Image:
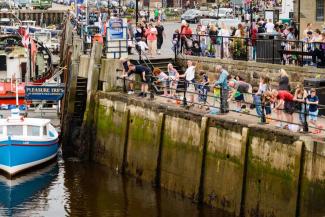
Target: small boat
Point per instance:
(26, 142)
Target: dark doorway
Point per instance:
(23, 71)
(3, 63)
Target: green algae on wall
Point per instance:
(224, 169)
(313, 184)
(232, 165)
(143, 149)
(108, 147)
(272, 177)
(181, 158)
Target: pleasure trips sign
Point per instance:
(53, 93)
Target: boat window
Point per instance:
(33, 130)
(1, 129)
(44, 131)
(15, 130)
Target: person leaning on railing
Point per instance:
(145, 74)
(312, 100)
(319, 51)
(190, 79)
(300, 97)
(223, 83)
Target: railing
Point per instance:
(208, 100)
(276, 51)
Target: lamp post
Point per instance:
(251, 18)
(136, 11)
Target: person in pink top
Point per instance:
(151, 34)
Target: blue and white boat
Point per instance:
(26, 142)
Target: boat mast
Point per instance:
(29, 73)
(17, 102)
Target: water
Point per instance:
(73, 188)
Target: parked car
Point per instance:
(221, 13)
(192, 15)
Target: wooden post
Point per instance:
(159, 142)
(203, 145)
(126, 123)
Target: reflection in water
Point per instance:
(73, 188)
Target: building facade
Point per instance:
(311, 11)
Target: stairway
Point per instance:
(80, 99)
(162, 65)
(159, 63)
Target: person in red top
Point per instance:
(284, 101)
(186, 32)
(253, 38)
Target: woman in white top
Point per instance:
(173, 78)
(224, 32)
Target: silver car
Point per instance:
(192, 15)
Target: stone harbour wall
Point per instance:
(240, 168)
(252, 71)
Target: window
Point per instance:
(320, 10)
(14, 130)
(44, 131)
(33, 130)
(1, 130)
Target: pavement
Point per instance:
(166, 50)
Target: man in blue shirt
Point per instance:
(224, 88)
(145, 74)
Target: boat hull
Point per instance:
(16, 156)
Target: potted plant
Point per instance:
(238, 49)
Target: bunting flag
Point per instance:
(25, 37)
(104, 28)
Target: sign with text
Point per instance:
(53, 93)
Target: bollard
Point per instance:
(305, 127)
(222, 53)
(184, 97)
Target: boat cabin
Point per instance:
(26, 127)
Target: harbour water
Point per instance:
(73, 188)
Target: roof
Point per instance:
(24, 121)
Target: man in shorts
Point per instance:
(284, 105)
(131, 77)
(145, 75)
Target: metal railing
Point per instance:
(208, 99)
(275, 51)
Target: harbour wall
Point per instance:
(252, 71)
(241, 168)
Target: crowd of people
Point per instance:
(148, 36)
(227, 41)
(204, 92)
